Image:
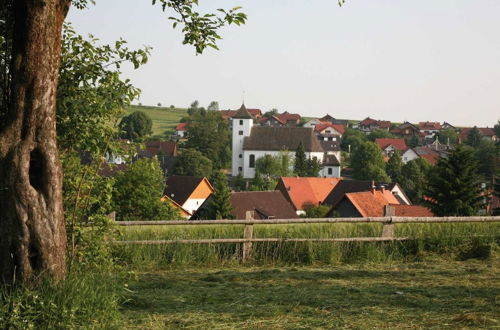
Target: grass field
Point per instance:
(431, 294)
(163, 118)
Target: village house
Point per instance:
(368, 125)
(406, 130)
(352, 186)
(188, 192)
(181, 130)
(327, 130)
(330, 119)
(262, 204)
(388, 146)
(429, 129)
(250, 143)
(487, 133)
(305, 192)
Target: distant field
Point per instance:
(164, 118)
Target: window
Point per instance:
(240, 132)
(330, 171)
(240, 156)
(251, 161)
(241, 122)
(240, 169)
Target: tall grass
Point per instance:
(85, 300)
(451, 240)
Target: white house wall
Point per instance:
(335, 172)
(408, 156)
(237, 142)
(192, 204)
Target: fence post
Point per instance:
(388, 227)
(247, 234)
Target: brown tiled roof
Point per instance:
(485, 131)
(242, 113)
(428, 154)
(179, 188)
(279, 138)
(153, 148)
(330, 160)
(327, 117)
(285, 117)
(257, 113)
(330, 145)
(412, 211)
(264, 204)
(429, 125)
(399, 144)
(380, 123)
(300, 190)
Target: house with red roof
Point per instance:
(487, 133)
(406, 130)
(368, 125)
(429, 129)
(304, 192)
(388, 145)
(375, 203)
(181, 130)
(328, 129)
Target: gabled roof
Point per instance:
(428, 154)
(429, 125)
(322, 126)
(257, 113)
(183, 211)
(412, 211)
(380, 123)
(398, 144)
(264, 119)
(301, 190)
(264, 204)
(485, 131)
(153, 148)
(327, 117)
(279, 138)
(181, 127)
(285, 117)
(371, 204)
(179, 187)
(351, 186)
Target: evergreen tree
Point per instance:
(413, 181)
(368, 163)
(454, 186)
(395, 167)
(474, 137)
(300, 167)
(312, 167)
(219, 206)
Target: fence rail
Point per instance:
(387, 234)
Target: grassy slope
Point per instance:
(437, 293)
(163, 118)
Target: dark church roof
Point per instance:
(279, 138)
(242, 113)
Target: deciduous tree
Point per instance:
(136, 126)
(192, 162)
(368, 163)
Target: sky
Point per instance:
(404, 60)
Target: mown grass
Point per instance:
(431, 294)
(457, 241)
(163, 118)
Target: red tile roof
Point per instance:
(181, 127)
(322, 126)
(371, 203)
(285, 117)
(428, 125)
(300, 190)
(412, 211)
(380, 123)
(399, 144)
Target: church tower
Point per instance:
(242, 124)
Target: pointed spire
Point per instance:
(242, 113)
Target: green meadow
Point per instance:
(164, 118)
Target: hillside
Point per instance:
(164, 118)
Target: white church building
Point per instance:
(251, 142)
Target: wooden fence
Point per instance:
(248, 238)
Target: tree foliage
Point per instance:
(136, 126)
(312, 211)
(219, 206)
(474, 137)
(368, 163)
(448, 136)
(91, 93)
(414, 180)
(209, 133)
(351, 139)
(454, 187)
(394, 167)
(213, 106)
(193, 163)
(300, 166)
(378, 134)
(138, 190)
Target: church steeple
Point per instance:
(243, 113)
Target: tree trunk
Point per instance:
(32, 227)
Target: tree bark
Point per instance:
(32, 227)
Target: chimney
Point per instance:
(373, 187)
(389, 211)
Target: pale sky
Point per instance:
(415, 60)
